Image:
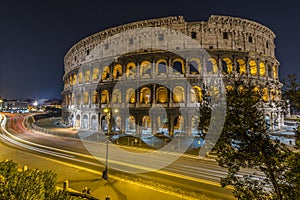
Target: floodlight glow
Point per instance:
(35, 103)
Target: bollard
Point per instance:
(66, 185)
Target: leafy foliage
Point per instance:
(245, 144)
(292, 92)
(30, 184)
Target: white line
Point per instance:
(111, 161)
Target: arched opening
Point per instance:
(278, 95)
(94, 124)
(95, 97)
(272, 92)
(241, 66)
(227, 65)
(73, 99)
(178, 94)
(195, 125)
(95, 74)
(209, 66)
(71, 80)
(78, 98)
(196, 94)
(265, 95)
(195, 66)
(130, 96)
(256, 94)
(229, 88)
(85, 122)
(262, 69)
(117, 72)
(212, 66)
(104, 123)
(116, 96)
(179, 125)
(72, 121)
(77, 121)
(275, 75)
(178, 66)
(104, 97)
(145, 95)
(163, 124)
(117, 124)
(130, 69)
(87, 76)
(85, 98)
(270, 71)
(79, 77)
(161, 95)
(145, 68)
(105, 73)
(130, 125)
(161, 67)
(253, 67)
(74, 79)
(146, 125)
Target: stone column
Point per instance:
(123, 123)
(188, 123)
(153, 95)
(138, 124)
(171, 124)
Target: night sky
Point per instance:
(35, 35)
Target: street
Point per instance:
(186, 177)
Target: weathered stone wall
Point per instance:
(218, 33)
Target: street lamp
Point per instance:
(108, 112)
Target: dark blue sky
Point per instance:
(36, 34)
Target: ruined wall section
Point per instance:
(232, 33)
(77, 54)
(218, 33)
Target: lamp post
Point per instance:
(108, 115)
(108, 112)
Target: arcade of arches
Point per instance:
(168, 107)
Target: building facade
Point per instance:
(152, 90)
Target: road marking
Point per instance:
(112, 161)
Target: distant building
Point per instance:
(14, 106)
(235, 45)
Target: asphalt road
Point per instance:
(186, 175)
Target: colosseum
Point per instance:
(150, 89)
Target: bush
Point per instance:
(28, 184)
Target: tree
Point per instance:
(18, 184)
(245, 143)
(292, 92)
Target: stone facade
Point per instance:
(235, 46)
